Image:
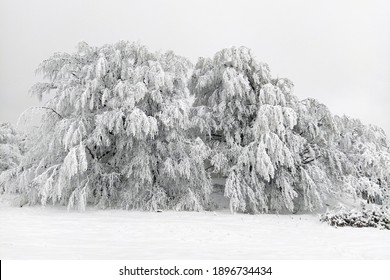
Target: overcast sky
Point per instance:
(335, 51)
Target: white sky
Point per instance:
(335, 51)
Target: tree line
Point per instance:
(128, 128)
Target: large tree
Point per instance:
(115, 132)
(276, 152)
(250, 119)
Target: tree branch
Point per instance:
(42, 107)
(90, 152)
(211, 166)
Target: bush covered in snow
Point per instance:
(378, 217)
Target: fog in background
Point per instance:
(335, 51)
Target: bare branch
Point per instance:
(51, 109)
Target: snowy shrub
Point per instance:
(378, 217)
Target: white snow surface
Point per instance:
(55, 233)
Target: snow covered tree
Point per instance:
(367, 150)
(11, 149)
(115, 132)
(343, 156)
(276, 152)
(249, 118)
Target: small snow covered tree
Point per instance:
(343, 156)
(250, 119)
(115, 132)
(10, 154)
(367, 150)
(10, 147)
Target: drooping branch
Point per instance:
(90, 152)
(51, 109)
(211, 166)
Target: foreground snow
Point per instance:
(54, 233)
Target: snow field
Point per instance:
(54, 233)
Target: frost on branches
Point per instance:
(115, 132)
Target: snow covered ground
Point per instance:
(54, 233)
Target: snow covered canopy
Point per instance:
(130, 128)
